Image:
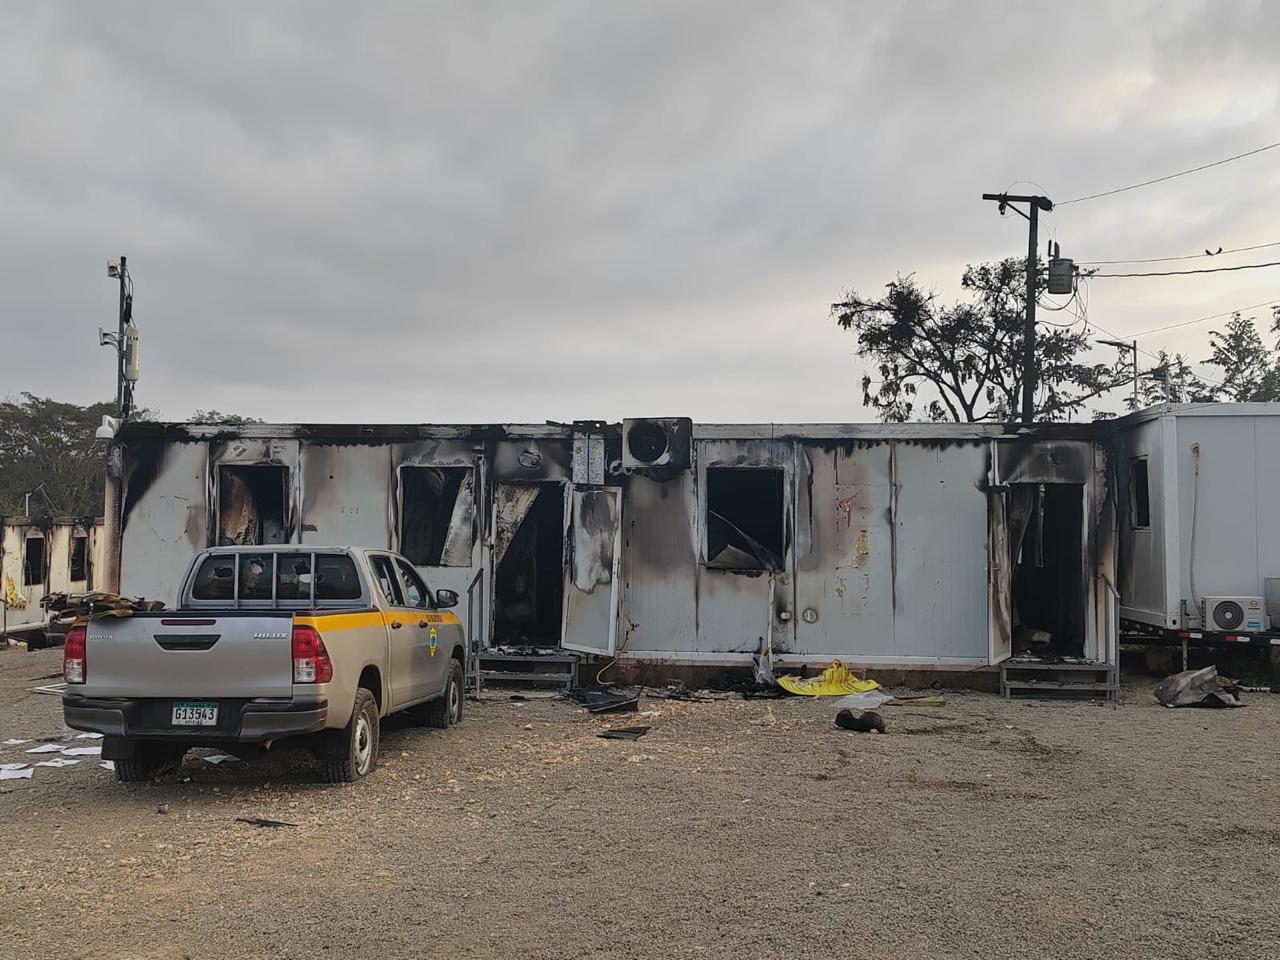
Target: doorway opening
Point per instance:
(1049, 592)
(528, 580)
(251, 505)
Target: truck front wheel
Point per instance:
(446, 710)
(352, 752)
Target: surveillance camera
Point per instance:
(108, 429)
(113, 268)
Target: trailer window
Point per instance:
(336, 577)
(33, 566)
(79, 558)
(293, 576)
(216, 578)
(437, 515)
(744, 518)
(1140, 494)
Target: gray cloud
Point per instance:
(475, 211)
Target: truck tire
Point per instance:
(446, 710)
(149, 761)
(352, 752)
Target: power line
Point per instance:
(1183, 273)
(1189, 256)
(1216, 316)
(1171, 176)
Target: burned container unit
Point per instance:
(41, 556)
(913, 546)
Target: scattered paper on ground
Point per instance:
(13, 741)
(88, 736)
(217, 758)
(81, 751)
(46, 748)
(58, 762)
(107, 764)
(16, 774)
(14, 766)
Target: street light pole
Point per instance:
(1029, 373)
(1129, 345)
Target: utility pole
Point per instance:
(1034, 205)
(1131, 345)
(121, 273)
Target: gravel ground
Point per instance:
(735, 828)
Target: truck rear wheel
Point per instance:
(446, 710)
(352, 752)
(149, 761)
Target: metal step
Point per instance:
(1023, 678)
(526, 675)
(1050, 665)
(542, 669)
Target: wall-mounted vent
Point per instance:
(659, 442)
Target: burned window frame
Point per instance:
(436, 553)
(78, 556)
(766, 558)
(28, 580)
(1139, 494)
(245, 470)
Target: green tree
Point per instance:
(963, 361)
(1250, 371)
(47, 444)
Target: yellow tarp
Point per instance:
(835, 681)
(11, 595)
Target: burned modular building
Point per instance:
(41, 556)
(904, 546)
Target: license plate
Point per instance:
(188, 713)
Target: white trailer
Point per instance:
(1199, 532)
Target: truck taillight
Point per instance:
(75, 666)
(311, 663)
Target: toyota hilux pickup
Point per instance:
(310, 644)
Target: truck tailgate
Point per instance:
(173, 654)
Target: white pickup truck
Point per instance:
(269, 643)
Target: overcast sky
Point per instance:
(452, 212)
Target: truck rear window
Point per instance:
(335, 577)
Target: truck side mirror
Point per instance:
(446, 599)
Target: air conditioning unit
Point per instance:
(1234, 614)
(660, 443)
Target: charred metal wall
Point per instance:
(881, 545)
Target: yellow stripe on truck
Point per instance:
(327, 622)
